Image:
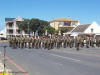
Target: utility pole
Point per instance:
(28, 29)
(4, 62)
(4, 59)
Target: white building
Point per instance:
(12, 26)
(92, 28)
(3, 33)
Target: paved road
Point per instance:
(53, 62)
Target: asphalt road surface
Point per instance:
(52, 62)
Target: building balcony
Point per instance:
(60, 25)
(9, 33)
(17, 27)
(66, 26)
(7, 27)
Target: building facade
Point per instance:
(64, 23)
(86, 29)
(12, 26)
(3, 33)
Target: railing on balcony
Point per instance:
(60, 25)
(8, 27)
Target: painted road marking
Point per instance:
(97, 55)
(0, 53)
(78, 61)
(16, 65)
(66, 57)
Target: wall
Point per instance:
(54, 25)
(95, 26)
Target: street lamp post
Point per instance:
(28, 29)
(4, 59)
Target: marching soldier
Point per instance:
(82, 42)
(64, 42)
(29, 42)
(33, 43)
(10, 42)
(58, 43)
(25, 42)
(14, 42)
(19, 42)
(22, 42)
(77, 43)
(68, 41)
(98, 42)
(87, 42)
(71, 41)
(92, 41)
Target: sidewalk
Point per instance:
(7, 71)
(4, 40)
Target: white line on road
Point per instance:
(66, 57)
(97, 55)
(0, 52)
(78, 61)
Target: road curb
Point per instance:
(7, 71)
(1, 41)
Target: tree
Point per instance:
(33, 25)
(24, 25)
(64, 31)
(49, 29)
(41, 27)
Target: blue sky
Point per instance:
(86, 11)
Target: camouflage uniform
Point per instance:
(87, 42)
(77, 43)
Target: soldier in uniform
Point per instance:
(42, 42)
(64, 42)
(92, 41)
(58, 43)
(87, 42)
(10, 41)
(98, 42)
(25, 42)
(33, 43)
(14, 42)
(29, 42)
(82, 42)
(48, 44)
(71, 41)
(37, 43)
(19, 39)
(77, 43)
(22, 42)
(68, 41)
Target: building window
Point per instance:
(18, 31)
(66, 24)
(73, 23)
(91, 30)
(60, 23)
(10, 24)
(10, 31)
